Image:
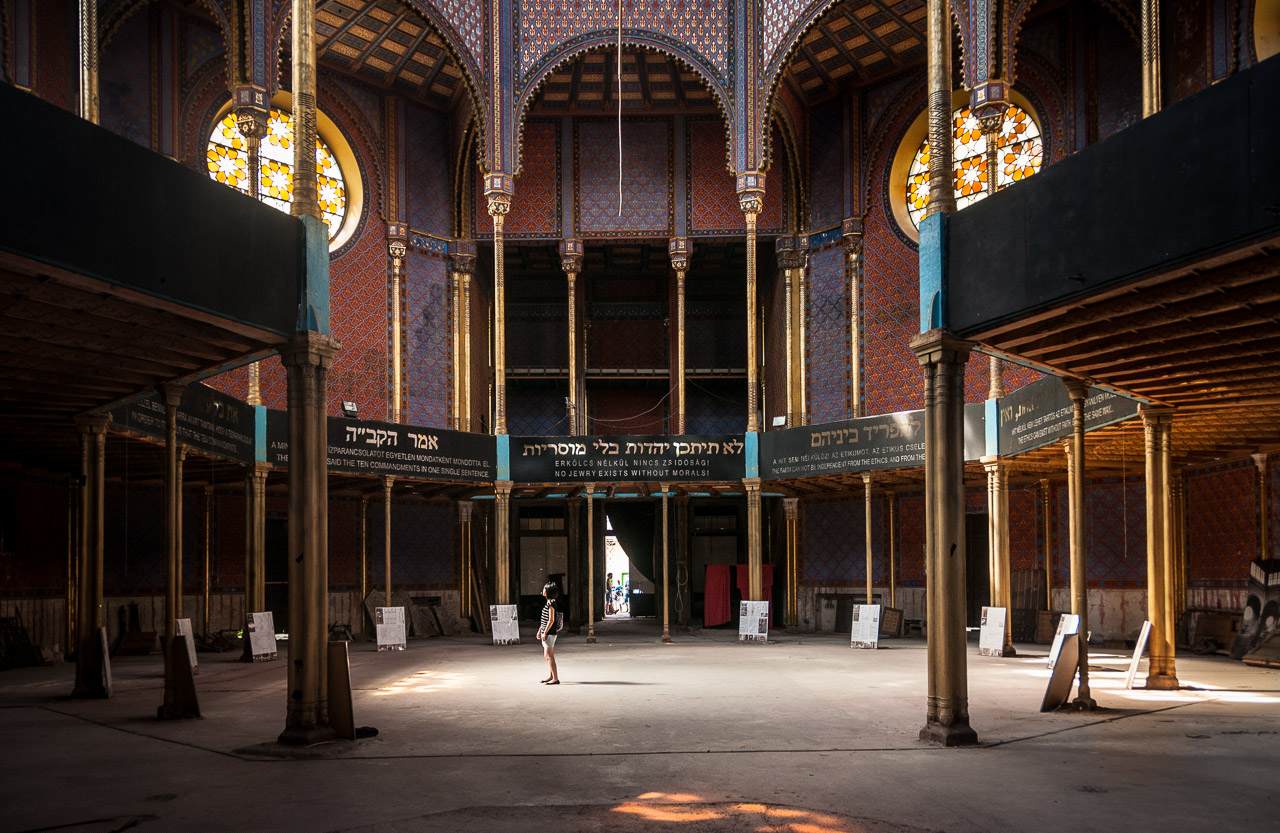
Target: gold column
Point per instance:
(996, 371)
(755, 579)
(666, 567)
(1264, 506)
(455, 350)
(998, 545)
(251, 120)
(364, 547)
(498, 193)
(1046, 517)
(1162, 672)
(1074, 445)
(208, 558)
(571, 253)
(892, 500)
(679, 250)
(784, 265)
(751, 201)
(463, 260)
(90, 615)
(802, 343)
(464, 573)
(172, 395)
(387, 483)
(1151, 92)
(396, 250)
(943, 358)
(791, 508)
(866, 529)
(942, 197)
(255, 588)
(1178, 551)
(73, 569)
(851, 237)
(591, 564)
(88, 63)
(502, 542)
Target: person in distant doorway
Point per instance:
(549, 627)
(609, 607)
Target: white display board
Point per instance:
(262, 636)
(184, 630)
(388, 623)
(753, 621)
(866, 627)
(1143, 636)
(506, 624)
(1068, 625)
(991, 632)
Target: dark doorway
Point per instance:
(276, 569)
(542, 555)
(978, 568)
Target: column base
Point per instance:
(1008, 651)
(957, 734)
(591, 639)
(305, 736)
(1082, 704)
(91, 681)
(1162, 682)
(666, 639)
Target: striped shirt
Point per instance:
(548, 620)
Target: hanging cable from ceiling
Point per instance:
(619, 69)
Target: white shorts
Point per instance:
(549, 641)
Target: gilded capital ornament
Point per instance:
(680, 249)
(571, 253)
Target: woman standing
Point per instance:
(549, 627)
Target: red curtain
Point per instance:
(716, 601)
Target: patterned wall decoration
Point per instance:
(539, 334)
(826, 165)
(467, 17)
(712, 201)
(646, 178)
(429, 368)
(910, 543)
(536, 408)
(422, 555)
(1273, 492)
(827, 350)
(201, 43)
(833, 541)
(125, 82)
(703, 28)
(344, 542)
(535, 208)
(1115, 534)
(715, 407)
(429, 180)
(714, 337)
(776, 17)
(358, 295)
(1222, 522)
(1025, 552)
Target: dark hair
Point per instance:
(552, 590)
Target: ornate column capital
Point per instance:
(750, 187)
(251, 108)
(397, 240)
(940, 346)
(498, 189)
(1077, 389)
(464, 510)
(680, 249)
(571, 254)
(462, 256)
(790, 507)
(95, 423)
(851, 237)
(793, 251)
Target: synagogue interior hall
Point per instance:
(797, 416)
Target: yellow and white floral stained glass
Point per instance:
(1019, 154)
(228, 162)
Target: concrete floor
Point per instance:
(802, 735)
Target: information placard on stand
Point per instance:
(506, 624)
(891, 622)
(753, 621)
(184, 630)
(388, 624)
(991, 632)
(1143, 636)
(866, 627)
(1068, 625)
(262, 636)
(1066, 664)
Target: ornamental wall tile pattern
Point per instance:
(427, 329)
(715, 407)
(428, 180)
(827, 333)
(536, 408)
(422, 555)
(702, 26)
(910, 543)
(1222, 522)
(467, 17)
(646, 180)
(344, 542)
(891, 376)
(776, 17)
(535, 208)
(834, 545)
(1115, 534)
(358, 283)
(713, 200)
(1024, 529)
(826, 165)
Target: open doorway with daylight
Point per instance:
(629, 546)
